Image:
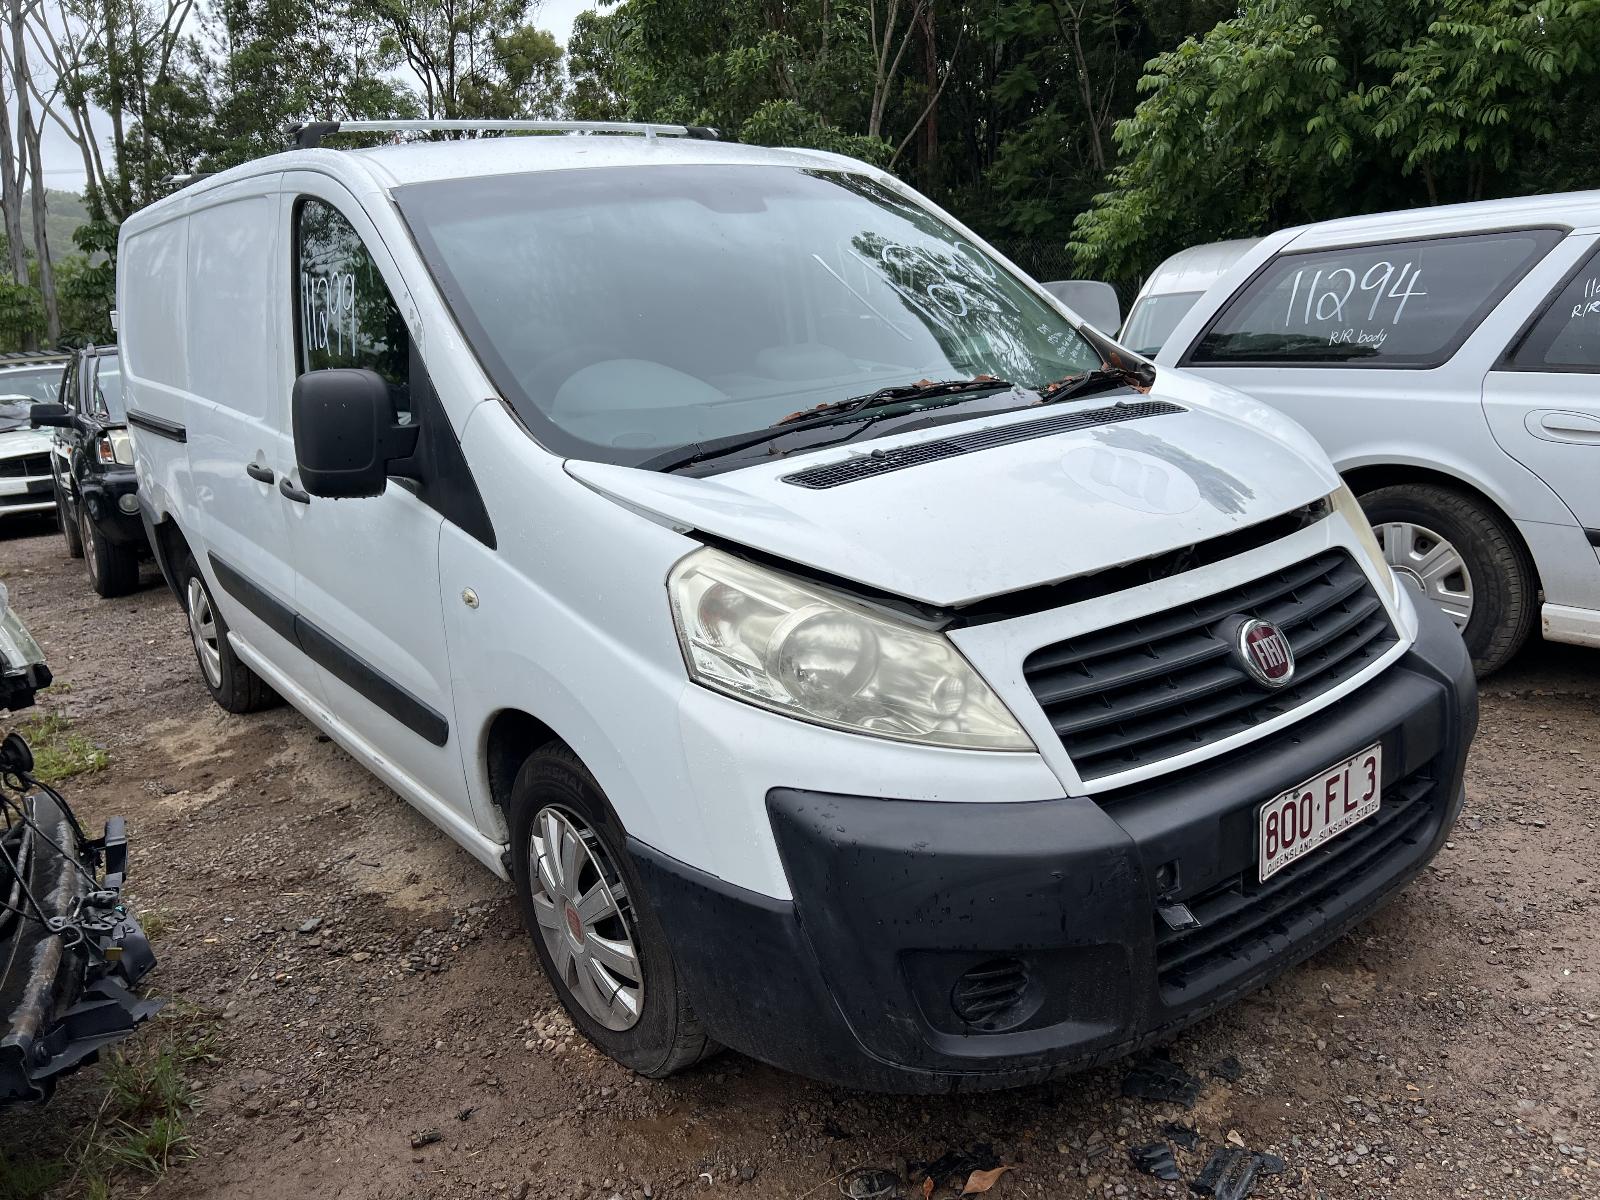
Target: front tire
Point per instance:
(113, 569)
(231, 683)
(592, 928)
(1467, 560)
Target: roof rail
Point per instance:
(310, 134)
(17, 358)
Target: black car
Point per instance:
(92, 461)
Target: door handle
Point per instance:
(1556, 426)
(291, 492)
(259, 473)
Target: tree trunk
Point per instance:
(41, 240)
(11, 168)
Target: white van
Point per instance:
(1172, 290)
(848, 659)
(1448, 360)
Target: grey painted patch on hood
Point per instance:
(1224, 492)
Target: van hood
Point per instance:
(1039, 511)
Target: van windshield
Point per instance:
(627, 310)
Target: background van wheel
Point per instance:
(231, 683)
(113, 569)
(69, 526)
(1468, 561)
(592, 927)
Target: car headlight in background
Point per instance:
(786, 645)
(1347, 506)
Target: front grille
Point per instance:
(1243, 923)
(898, 458)
(1145, 690)
(25, 466)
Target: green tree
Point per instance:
(473, 58)
(1294, 111)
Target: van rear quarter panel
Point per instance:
(152, 303)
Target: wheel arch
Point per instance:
(510, 738)
(169, 546)
(1372, 476)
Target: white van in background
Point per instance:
(848, 657)
(1172, 289)
(1448, 359)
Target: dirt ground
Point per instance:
(370, 984)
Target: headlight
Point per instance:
(1347, 506)
(117, 447)
(785, 645)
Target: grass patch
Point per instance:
(154, 922)
(140, 1130)
(58, 752)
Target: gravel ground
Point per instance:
(383, 1030)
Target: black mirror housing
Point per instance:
(345, 436)
(50, 415)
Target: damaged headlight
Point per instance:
(796, 648)
(1344, 503)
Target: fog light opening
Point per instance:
(995, 995)
(128, 502)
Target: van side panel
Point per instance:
(154, 313)
(238, 410)
(231, 315)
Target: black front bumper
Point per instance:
(1039, 921)
(102, 494)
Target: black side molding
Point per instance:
(158, 426)
(1593, 535)
(333, 656)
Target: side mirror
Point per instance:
(345, 436)
(55, 416)
(1094, 301)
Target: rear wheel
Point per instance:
(231, 683)
(1467, 560)
(593, 930)
(69, 525)
(113, 569)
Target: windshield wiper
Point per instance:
(814, 418)
(1080, 385)
(923, 389)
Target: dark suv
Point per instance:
(92, 460)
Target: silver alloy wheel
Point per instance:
(203, 629)
(585, 920)
(1417, 552)
(86, 536)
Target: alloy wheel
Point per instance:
(585, 918)
(203, 629)
(1433, 563)
(86, 536)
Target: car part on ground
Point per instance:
(70, 949)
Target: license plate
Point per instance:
(1296, 822)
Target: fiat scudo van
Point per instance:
(847, 657)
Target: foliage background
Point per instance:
(1086, 137)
